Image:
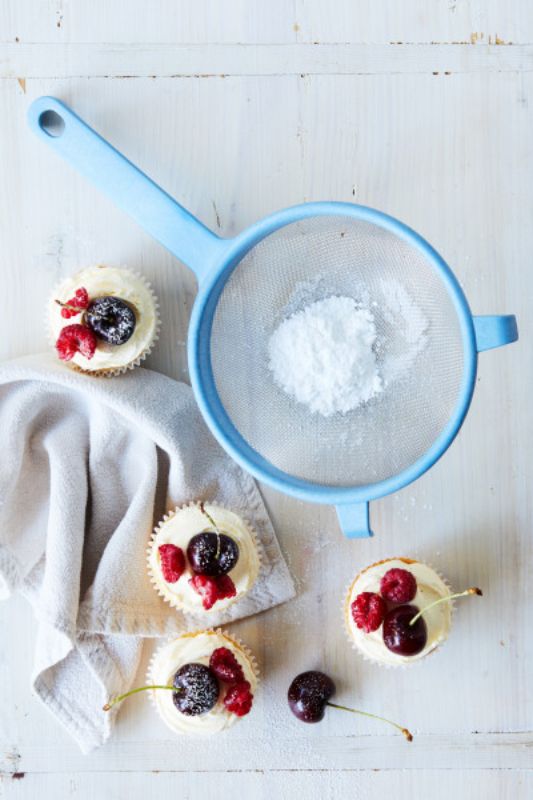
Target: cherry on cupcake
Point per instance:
(196, 689)
(400, 636)
(309, 694)
(212, 554)
(404, 628)
(111, 319)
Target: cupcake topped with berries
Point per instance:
(214, 679)
(202, 558)
(103, 320)
(398, 611)
(201, 682)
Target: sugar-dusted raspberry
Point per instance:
(74, 339)
(76, 304)
(225, 587)
(398, 586)
(225, 666)
(239, 699)
(213, 589)
(206, 587)
(172, 562)
(368, 610)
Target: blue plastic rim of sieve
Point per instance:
(213, 259)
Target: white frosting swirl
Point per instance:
(118, 282)
(430, 587)
(179, 530)
(187, 649)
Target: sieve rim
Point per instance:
(204, 386)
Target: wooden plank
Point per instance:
(230, 21)
(438, 785)
(253, 754)
(222, 60)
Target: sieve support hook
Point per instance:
(354, 520)
(494, 330)
(129, 188)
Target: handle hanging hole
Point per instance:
(52, 123)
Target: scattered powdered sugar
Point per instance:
(409, 327)
(324, 356)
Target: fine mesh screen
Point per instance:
(419, 350)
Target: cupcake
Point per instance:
(214, 678)
(103, 320)
(202, 558)
(382, 602)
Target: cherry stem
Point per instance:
(215, 526)
(466, 593)
(70, 307)
(122, 697)
(408, 735)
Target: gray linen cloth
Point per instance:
(87, 468)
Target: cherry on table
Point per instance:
(308, 695)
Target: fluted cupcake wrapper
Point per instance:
(345, 610)
(242, 649)
(174, 602)
(110, 372)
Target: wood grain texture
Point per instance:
(351, 118)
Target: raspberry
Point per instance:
(75, 339)
(225, 666)
(368, 610)
(398, 586)
(213, 589)
(239, 698)
(172, 562)
(76, 304)
(225, 587)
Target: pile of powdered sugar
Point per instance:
(324, 356)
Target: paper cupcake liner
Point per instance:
(174, 602)
(237, 643)
(110, 372)
(345, 610)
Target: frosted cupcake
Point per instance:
(103, 320)
(200, 683)
(399, 610)
(202, 558)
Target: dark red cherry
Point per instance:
(308, 695)
(400, 637)
(212, 554)
(196, 688)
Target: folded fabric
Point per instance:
(88, 467)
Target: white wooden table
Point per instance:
(422, 108)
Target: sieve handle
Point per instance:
(354, 520)
(494, 331)
(131, 190)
